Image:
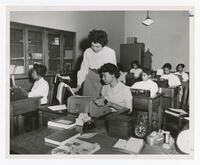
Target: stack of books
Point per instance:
(62, 136)
(64, 122)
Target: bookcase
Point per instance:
(32, 44)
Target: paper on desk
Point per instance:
(113, 109)
(181, 111)
(172, 113)
(58, 107)
(132, 145)
(88, 135)
(67, 122)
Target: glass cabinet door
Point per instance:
(17, 51)
(68, 52)
(35, 51)
(54, 54)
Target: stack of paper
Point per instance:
(133, 145)
(76, 146)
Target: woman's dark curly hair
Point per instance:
(167, 65)
(147, 71)
(98, 36)
(135, 62)
(40, 69)
(182, 65)
(110, 68)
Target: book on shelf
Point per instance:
(131, 146)
(76, 146)
(62, 136)
(64, 122)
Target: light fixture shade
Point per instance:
(148, 21)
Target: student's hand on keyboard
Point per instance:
(129, 112)
(109, 104)
(76, 89)
(99, 102)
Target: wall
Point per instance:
(167, 38)
(80, 22)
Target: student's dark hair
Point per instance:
(40, 69)
(167, 65)
(98, 36)
(110, 68)
(182, 65)
(147, 71)
(135, 62)
(120, 67)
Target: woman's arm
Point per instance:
(115, 106)
(25, 93)
(83, 70)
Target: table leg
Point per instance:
(40, 119)
(11, 122)
(20, 123)
(173, 97)
(150, 116)
(160, 114)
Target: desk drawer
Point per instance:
(140, 103)
(24, 106)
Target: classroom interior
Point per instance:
(58, 39)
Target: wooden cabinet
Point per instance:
(131, 52)
(31, 44)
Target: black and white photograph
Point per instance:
(126, 92)
(104, 82)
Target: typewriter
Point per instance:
(140, 92)
(162, 83)
(16, 94)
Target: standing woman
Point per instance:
(93, 58)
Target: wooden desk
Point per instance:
(17, 109)
(149, 104)
(33, 143)
(46, 114)
(170, 97)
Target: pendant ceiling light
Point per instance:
(148, 21)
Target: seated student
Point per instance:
(40, 87)
(181, 72)
(184, 85)
(173, 80)
(146, 83)
(114, 93)
(123, 74)
(135, 70)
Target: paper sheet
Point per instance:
(67, 122)
(181, 111)
(58, 107)
(88, 135)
